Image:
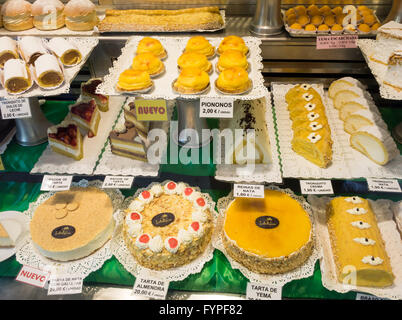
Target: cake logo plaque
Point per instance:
(163, 219)
(267, 222)
(63, 232)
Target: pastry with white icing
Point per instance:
(48, 71)
(68, 54)
(16, 76)
(31, 48)
(8, 50)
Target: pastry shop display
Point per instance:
(130, 117)
(88, 91)
(48, 72)
(200, 44)
(87, 116)
(356, 242)
(66, 139)
(67, 52)
(191, 81)
(48, 14)
(276, 234)
(72, 224)
(8, 50)
(5, 240)
(17, 15)
(151, 45)
(194, 60)
(134, 81)
(232, 58)
(31, 48)
(233, 80)
(148, 62)
(80, 15)
(16, 77)
(189, 19)
(168, 225)
(127, 142)
(232, 42)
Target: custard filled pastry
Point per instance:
(233, 43)
(233, 81)
(80, 15)
(231, 58)
(68, 54)
(195, 60)
(191, 81)
(148, 62)
(17, 78)
(31, 48)
(200, 45)
(8, 50)
(17, 15)
(48, 71)
(134, 80)
(151, 45)
(48, 14)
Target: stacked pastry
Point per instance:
(368, 133)
(311, 132)
(129, 137)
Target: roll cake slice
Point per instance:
(127, 142)
(16, 76)
(68, 54)
(88, 90)
(362, 118)
(49, 74)
(8, 50)
(31, 48)
(87, 116)
(358, 249)
(341, 84)
(66, 139)
(130, 114)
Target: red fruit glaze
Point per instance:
(146, 194)
(201, 202)
(195, 225)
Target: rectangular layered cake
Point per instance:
(66, 139)
(130, 115)
(127, 142)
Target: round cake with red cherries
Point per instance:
(168, 226)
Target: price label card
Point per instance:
(383, 185)
(15, 108)
(216, 108)
(151, 110)
(56, 183)
(248, 191)
(316, 187)
(150, 288)
(257, 291)
(65, 284)
(117, 182)
(344, 41)
(33, 276)
(362, 296)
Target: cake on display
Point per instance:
(72, 224)
(88, 91)
(357, 245)
(66, 139)
(168, 226)
(272, 235)
(87, 116)
(5, 240)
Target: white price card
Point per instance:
(15, 108)
(118, 182)
(363, 296)
(216, 108)
(152, 288)
(316, 187)
(248, 190)
(65, 284)
(383, 185)
(56, 183)
(33, 276)
(258, 291)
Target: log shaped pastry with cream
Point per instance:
(17, 15)
(80, 15)
(31, 48)
(16, 76)
(8, 50)
(48, 14)
(68, 53)
(48, 71)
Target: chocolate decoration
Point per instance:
(163, 219)
(267, 222)
(63, 232)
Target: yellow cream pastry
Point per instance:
(339, 18)
(303, 20)
(233, 80)
(148, 62)
(134, 80)
(313, 10)
(316, 20)
(358, 248)
(297, 91)
(291, 19)
(269, 236)
(296, 26)
(300, 10)
(290, 11)
(323, 27)
(232, 58)
(337, 28)
(364, 28)
(329, 20)
(310, 27)
(194, 59)
(151, 45)
(233, 43)
(325, 10)
(191, 80)
(375, 26)
(337, 10)
(369, 20)
(200, 45)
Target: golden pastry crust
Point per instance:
(233, 81)
(134, 80)
(232, 58)
(200, 44)
(191, 81)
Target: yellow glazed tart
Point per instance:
(233, 80)
(148, 62)
(234, 43)
(200, 45)
(232, 58)
(194, 60)
(271, 235)
(134, 80)
(151, 45)
(191, 81)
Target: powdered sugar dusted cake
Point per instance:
(168, 226)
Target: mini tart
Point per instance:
(134, 80)
(191, 81)
(194, 60)
(233, 43)
(232, 58)
(151, 45)
(269, 236)
(148, 62)
(167, 226)
(233, 81)
(200, 45)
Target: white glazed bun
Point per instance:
(80, 15)
(17, 15)
(48, 14)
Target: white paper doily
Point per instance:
(111, 164)
(304, 271)
(294, 165)
(381, 47)
(174, 48)
(27, 254)
(85, 45)
(262, 172)
(122, 253)
(54, 163)
(389, 233)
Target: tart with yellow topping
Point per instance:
(148, 62)
(233, 81)
(200, 44)
(194, 60)
(232, 58)
(233, 43)
(134, 80)
(191, 81)
(151, 45)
